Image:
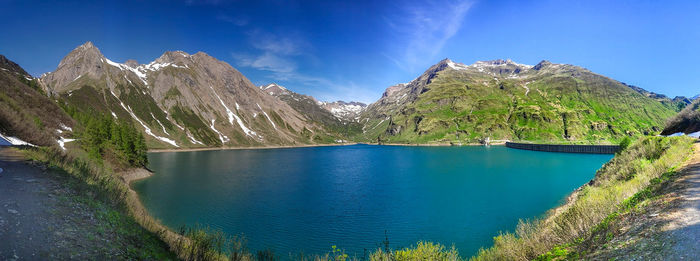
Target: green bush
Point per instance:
(422, 251)
(625, 143)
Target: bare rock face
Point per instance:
(180, 100)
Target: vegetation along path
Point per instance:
(666, 226)
(45, 215)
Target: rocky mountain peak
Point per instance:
(85, 54)
(542, 64)
(173, 57)
(87, 45)
(274, 89)
(445, 63)
(132, 63)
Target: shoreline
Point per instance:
(252, 148)
(141, 214)
(499, 143)
(134, 174)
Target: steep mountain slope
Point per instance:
(25, 112)
(687, 121)
(499, 99)
(314, 110)
(180, 100)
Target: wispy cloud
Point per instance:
(266, 61)
(424, 29)
(280, 55)
(239, 20)
(277, 53)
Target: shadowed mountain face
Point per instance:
(501, 99)
(25, 112)
(687, 121)
(181, 100)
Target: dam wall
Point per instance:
(593, 149)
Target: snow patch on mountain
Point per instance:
(456, 66)
(222, 137)
(193, 140)
(147, 129)
(15, 141)
(232, 116)
(268, 117)
(62, 142)
(125, 67)
(344, 110)
(161, 124)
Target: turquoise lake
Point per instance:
(308, 199)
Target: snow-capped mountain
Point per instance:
(344, 111)
(180, 100)
(349, 111)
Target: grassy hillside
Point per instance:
(556, 103)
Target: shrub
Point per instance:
(422, 251)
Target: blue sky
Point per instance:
(353, 50)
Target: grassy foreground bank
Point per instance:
(631, 171)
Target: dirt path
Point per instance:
(44, 218)
(684, 225)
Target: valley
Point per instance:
(93, 115)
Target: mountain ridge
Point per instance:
(501, 99)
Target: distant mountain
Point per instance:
(333, 117)
(181, 100)
(26, 112)
(348, 111)
(678, 102)
(501, 99)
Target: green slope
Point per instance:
(544, 103)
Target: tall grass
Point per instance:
(626, 174)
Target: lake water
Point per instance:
(308, 199)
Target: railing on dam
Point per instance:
(594, 149)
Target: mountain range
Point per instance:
(183, 100)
